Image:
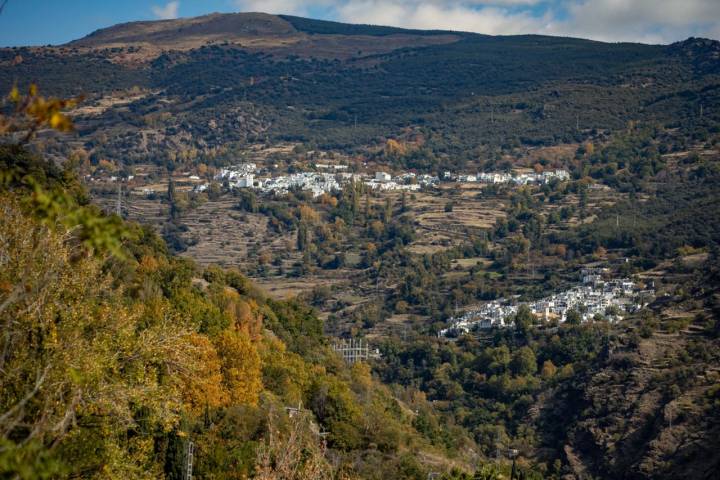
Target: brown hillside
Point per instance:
(254, 31)
(215, 26)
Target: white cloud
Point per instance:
(648, 21)
(433, 15)
(169, 11)
(288, 7)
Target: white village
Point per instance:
(595, 298)
(322, 181)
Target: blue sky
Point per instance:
(40, 22)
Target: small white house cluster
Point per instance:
(242, 176)
(238, 176)
(332, 167)
(317, 183)
(594, 296)
(405, 181)
(501, 178)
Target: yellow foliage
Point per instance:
(567, 371)
(75, 346)
(287, 374)
(241, 367)
(148, 264)
(361, 377)
(548, 369)
(204, 388)
(327, 199)
(308, 215)
(395, 148)
(377, 228)
(244, 314)
(107, 165)
(32, 112)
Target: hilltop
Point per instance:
(277, 34)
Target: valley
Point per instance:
(523, 229)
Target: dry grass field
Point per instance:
(438, 229)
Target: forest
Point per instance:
(117, 355)
(492, 94)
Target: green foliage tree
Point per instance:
(523, 319)
(573, 317)
(523, 361)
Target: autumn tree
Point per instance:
(75, 355)
(205, 388)
(548, 370)
(240, 367)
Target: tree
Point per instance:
(387, 211)
(241, 371)
(215, 191)
(204, 389)
(31, 112)
(376, 229)
(172, 199)
(573, 317)
(248, 201)
(523, 319)
(523, 361)
(548, 369)
(308, 215)
(394, 149)
(302, 237)
(76, 355)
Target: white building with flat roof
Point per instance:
(382, 177)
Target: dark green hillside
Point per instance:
(466, 98)
(65, 73)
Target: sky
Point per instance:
(42, 22)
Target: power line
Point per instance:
(354, 350)
(189, 457)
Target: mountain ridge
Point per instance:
(382, 80)
(234, 23)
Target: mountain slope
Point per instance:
(646, 409)
(279, 35)
(350, 87)
(226, 27)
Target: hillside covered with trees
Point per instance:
(492, 93)
(117, 355)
